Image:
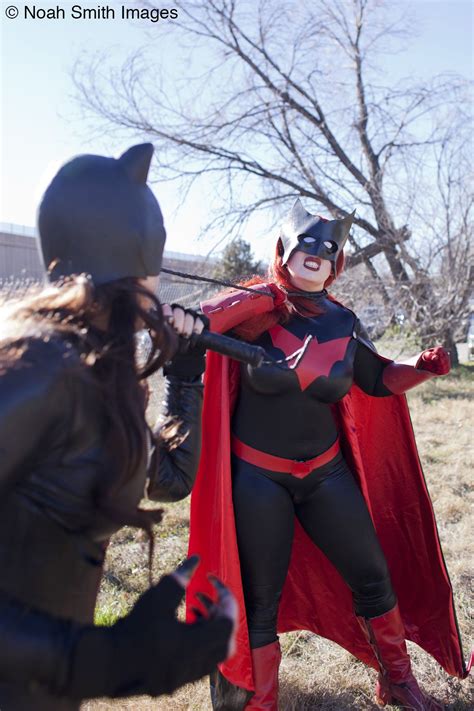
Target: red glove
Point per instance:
(434, 360)
(280, 296)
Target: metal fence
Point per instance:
(19, 256)
(185, 294)
(21, 269)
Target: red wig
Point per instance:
(278, 274)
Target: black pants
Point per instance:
(331, 509)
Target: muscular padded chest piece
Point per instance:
(311, 359)
(311, 356)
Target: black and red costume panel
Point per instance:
(286, 411)
(244, 516)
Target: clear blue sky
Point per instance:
(40, 125)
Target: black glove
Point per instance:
(148, 651)
(189, 362)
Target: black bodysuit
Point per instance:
(287, 412)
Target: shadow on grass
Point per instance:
(293, 699)
(463, 370)
(457, 385)
(437, 395)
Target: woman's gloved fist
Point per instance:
(434, 360)
(280, 296)
(149, 651)
(189, 360)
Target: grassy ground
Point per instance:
(316, 674)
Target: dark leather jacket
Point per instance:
(52, 537)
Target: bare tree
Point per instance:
(293, 103)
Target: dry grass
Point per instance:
(316, 674)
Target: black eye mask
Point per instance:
(316, 246)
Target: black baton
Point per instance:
(245, 352)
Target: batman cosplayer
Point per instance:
(310, 501)
(76, 454)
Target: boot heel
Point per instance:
(384, 697)
(383, 700)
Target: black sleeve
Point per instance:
(175, 459)
(34, 647)
(368, 365)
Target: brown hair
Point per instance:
(69, 309)
(108, 357)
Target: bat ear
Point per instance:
(136, 162)
(345, 228)
(298, 212)
(348, 220)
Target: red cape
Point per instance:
(379, 445)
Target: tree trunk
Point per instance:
(448, 342)
(445, 338)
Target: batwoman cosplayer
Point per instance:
(310, 501)
(75, 456)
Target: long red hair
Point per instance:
(278, 274)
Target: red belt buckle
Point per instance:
(298, 469)
(301, 469)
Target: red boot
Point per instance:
(396, 683)
(265, 662)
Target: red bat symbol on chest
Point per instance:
(318, 359)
